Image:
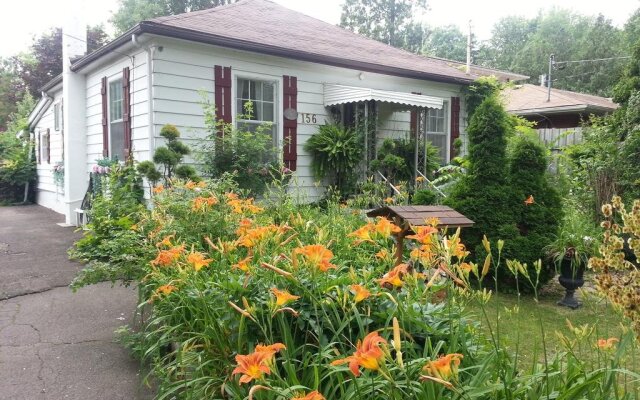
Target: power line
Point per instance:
(592, 60)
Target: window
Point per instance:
(116, 123)
(261, 95)
(45, 149)
(437, 130)
(57, 116)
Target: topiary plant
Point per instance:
(169, 157)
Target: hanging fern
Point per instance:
(335, 152)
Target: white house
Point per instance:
(298, 71)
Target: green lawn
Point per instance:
(523, 330)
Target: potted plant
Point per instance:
(570, 251)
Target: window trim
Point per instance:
(57, 111)
(109, 121)
(277, 101)
(447, 129)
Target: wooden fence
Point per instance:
(559, 138)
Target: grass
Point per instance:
(522, 322)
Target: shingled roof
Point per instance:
(532, 99)
(265, 27)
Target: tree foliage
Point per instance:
(43, 62)
(446, 42)
(130, 12)
(388, 21)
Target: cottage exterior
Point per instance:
(298, 71)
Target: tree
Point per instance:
(388, 21)
(130, 12)
(524, 45)
(11, 91)
(44, 60)
(446, 42)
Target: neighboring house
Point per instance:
(565, 110)
(298, 71)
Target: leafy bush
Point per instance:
(17, 168)
(335, 153)
(396, 160)
(247, 154)
(112, 247)
(425, 197)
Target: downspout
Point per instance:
(150, 113)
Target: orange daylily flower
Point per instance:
(423, 234)
(283, 297)
(271, 349)
(158, 189)
(166, 241)
(420, 179)
(394, 277)
(245, 225)
(242, 265)
(239, 206)
(231, 196)
(367, 355)
(363, 234)
(190, 185)
(385, 227)
(423, 254)
(201, 203)
(165, 289)
(361, 293)
(198, 260)
(252, 366)
(529, 200)
(382, 254)
(445, 367)
(317, 256)
(253, 236)
(315, 395)
(389, 200)
(607, 344)
(167, 257)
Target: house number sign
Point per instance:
(304, 118)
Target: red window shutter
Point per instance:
(455, 123)
(290, 101)
(126, 110)
(39, 147)
(48, 149)
(105, 118)
(222, 78)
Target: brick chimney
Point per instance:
(76, 177)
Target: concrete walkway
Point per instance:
(55, 344)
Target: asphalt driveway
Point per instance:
(55, 344)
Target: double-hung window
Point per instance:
(437, 130)
(116, 122)
(57, 116)
(256, 106)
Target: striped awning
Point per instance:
(338, 94)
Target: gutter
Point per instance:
(564, 109)
(40, 109)
(207, 38)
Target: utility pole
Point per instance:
(468, 70)
(551, 62)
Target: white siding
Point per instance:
(183, 70)
(48, 194)
(137, 62)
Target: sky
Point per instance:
(20, 23)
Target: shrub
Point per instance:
(112, 248)
(247, 154)
(484, 194)
(396, 159)
(168, 157)
(539, 211)
(425, 197)
(335, 152)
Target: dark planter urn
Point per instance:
(571, 278)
